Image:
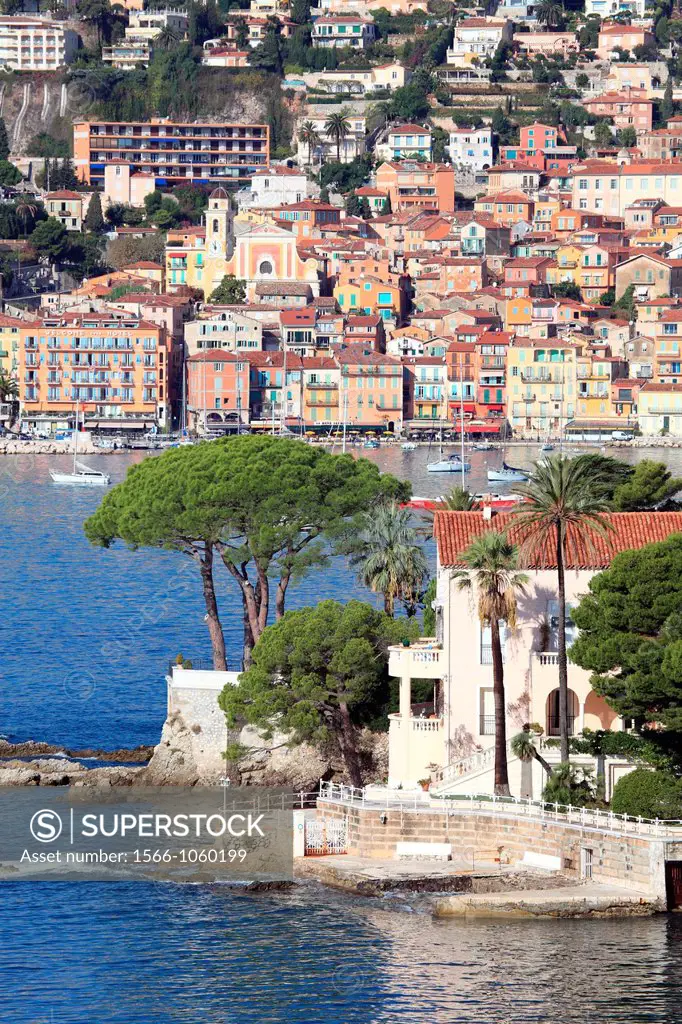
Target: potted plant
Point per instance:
(425, 784)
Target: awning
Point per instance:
(481, 428)
(493, 407)
(469, 407)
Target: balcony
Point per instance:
(321, 385)
(542, 378)
(423, 659)
(331, 403)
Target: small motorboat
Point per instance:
(82, 476)
(484, 446)
(547, 447)
(371, 444)
(453, 464)
(508, 474)
(409, 446)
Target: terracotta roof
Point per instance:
(454, 531)
(409, 129)
(63, 193)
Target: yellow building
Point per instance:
(595, 371)
(541, 386)
(659, 409)
(198, 256)
(9, 344)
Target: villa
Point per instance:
(451, 740)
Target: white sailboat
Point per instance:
(453, 463)
(507, 474)
(81, 475)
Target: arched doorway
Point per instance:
(552, 725)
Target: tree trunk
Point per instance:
(250, 604)
(388, 603)
(561, 644)
(346, 738)
(281, 593)
(338, 149)
(501, 773)
(215, 628)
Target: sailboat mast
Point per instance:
(75, 442)
(345, 419)
(282, 411)
(461, 413)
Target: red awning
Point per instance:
(480, 428)
(494, 407)
(469, 407)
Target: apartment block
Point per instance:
(344, 30)
(173, 153)
(34, 43)
(112, 365)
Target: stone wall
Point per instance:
(634, 862)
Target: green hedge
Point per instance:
(648, 794)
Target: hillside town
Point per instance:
(473, 227)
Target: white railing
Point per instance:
(496, 806)
(548, 657)
(480, 761)
(417, 724)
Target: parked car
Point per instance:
(622, 435)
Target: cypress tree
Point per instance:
(94, 221)
(4, 141)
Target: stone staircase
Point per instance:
(460, 774)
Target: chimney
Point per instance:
(487, 512)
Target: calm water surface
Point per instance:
(86, 635)
(141, 953)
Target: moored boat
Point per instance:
(507, 474)
(452, 464)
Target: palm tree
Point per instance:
(9, 389)
(337, 127)
(550, 13)
(309, 136)
(492, 572)
(24, 210)
(523, 747)
(167, 38)
(457, 499)
(390, 560)
(562, 510)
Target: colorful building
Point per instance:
(412, 185)
(217, 390)
(174, 152)
(113, 366)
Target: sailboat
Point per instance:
(453, 463)
(507, 474)
(81, 475)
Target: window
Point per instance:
(487, 712)
(265, 267)
(486, 645)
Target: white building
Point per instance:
(361, 81)
(457, 732)
(477, 37)
(274, 186)
(35, 43)
(218, 327)
(324, 149)
(405, 141)
(471, 147)
(609, 8)
(147, 25)
(343, 30)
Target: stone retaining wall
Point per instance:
(635, 862)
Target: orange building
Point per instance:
(411, 185)
(507, 208)
(173, 152)
(113, 365)
(217, 390)
(371, 388)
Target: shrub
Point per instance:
(649, 794)
(570, 785)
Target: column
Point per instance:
(405, 716)
(581, 715)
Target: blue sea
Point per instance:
(86, 636)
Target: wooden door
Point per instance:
(673, 884)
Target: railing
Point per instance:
(486, 725)
(554, 725)
(582, 817)
(417, 724)
(548, 657)
(479, 761)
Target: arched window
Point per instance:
(265, 267)
(216, 225)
